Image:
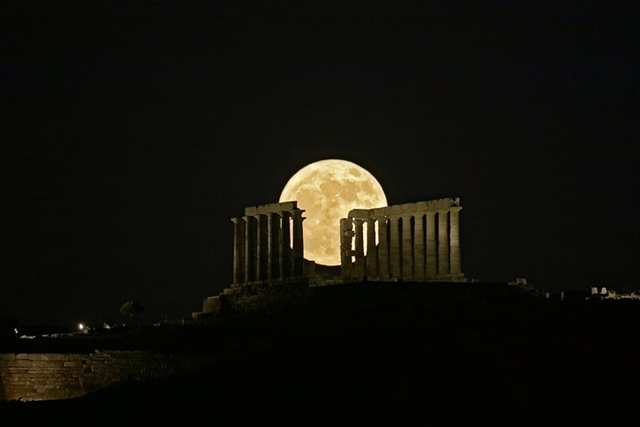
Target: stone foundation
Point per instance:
(256, 297)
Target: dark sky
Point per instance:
(132, 132)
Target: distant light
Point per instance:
(15, 330)
(81, 326)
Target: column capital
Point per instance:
(381, 221)
(296, 214)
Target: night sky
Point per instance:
(133, 131)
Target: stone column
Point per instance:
(418, 247)
(249, 248)
(454, 241)
(285, 242)
(407, 248)
(346, 253)
(383, 248)
(372, 256)
(394, 246)
(443, 243)
(432, 259)
(298, 243)
(262, 247)
(238, 250)
(359, 248)
(273, 227)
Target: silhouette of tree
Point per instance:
(130, 308)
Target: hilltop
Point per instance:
(462, 350)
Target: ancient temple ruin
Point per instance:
(268, 243)
(411, 242)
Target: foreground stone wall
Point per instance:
(49, 376)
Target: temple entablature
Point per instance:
(271, 208)
(406, 208)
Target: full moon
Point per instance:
(327, 190)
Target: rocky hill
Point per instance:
(445, 354)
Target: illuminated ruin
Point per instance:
(412, 242)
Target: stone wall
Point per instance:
(51, 376)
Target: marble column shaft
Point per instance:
(359, 247)
(372, 256)
(443, 243)
(273, 227)
(407, 247)
(249, 248)
(262, 247)
(346, 253)
(238, 250)
(431, 253)
(418, 247)
(298, 244)
(383, 248)
(454, 241)
(394, 246)
(285, 248)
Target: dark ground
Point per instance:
(408, 356)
